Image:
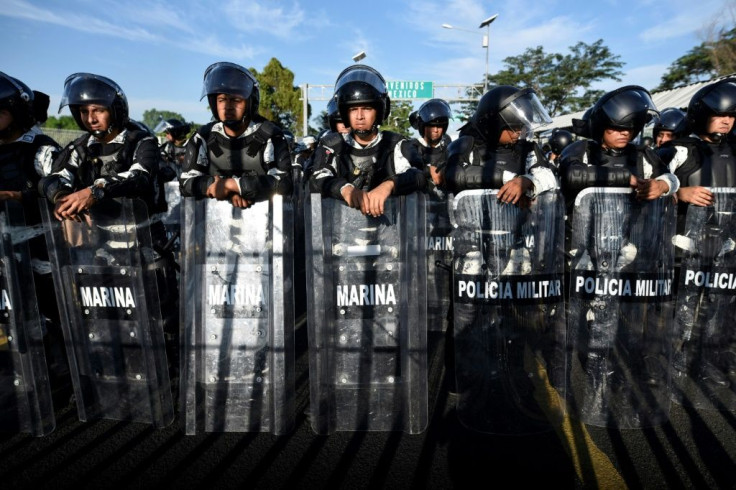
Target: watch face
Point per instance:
(98, 193)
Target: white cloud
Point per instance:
(264, 16)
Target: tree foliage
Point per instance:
(280, 100)
(562, 81)
(61, 122)
(711, 58)
(398, 119)
(152, 117)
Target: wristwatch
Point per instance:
(97, 192)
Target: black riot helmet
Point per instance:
(333, 114)
(559, 140)
(670, 119)
(18, 99)
(507, 107)
(362, 85)
(176, 128)
(630, 107)
(86, 88)
(434, 112)
(231, 79)
(715, 99)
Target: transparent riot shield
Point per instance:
(621, 307)
(25, 392)
(238, 328)
(105, 278)
(439, 263)
(172, 219)
(509, 315)
(366, 313)
(704, 356)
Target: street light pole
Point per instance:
(486, 23)
(486, 41)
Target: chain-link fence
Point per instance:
(63, 136)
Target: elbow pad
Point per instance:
(475, 177)
(51, 188)
(409, 181)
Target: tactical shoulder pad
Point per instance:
(333, 140)
(461, 146)
(574, 152)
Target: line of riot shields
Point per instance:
(610, 324)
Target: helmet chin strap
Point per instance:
(366, 132)
(716, 137)
(236, 124)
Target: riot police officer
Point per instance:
(707, 158)
(703, 161)
(610, 243)
(431, 121)
(365, 166)
(173, 149)
(334, 119)
(669, 125)
(27, 155)
(117, 157)
(494, 151)
(559, 140)
(611, 159)
(240, 156)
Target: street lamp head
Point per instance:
(359, 56)
(488, 20)
(447, 26)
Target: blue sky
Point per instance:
(158, 51)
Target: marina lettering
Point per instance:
(365, 294)
(439, 243)
(5, 301)
(115, 297)
(235, 294)
(711, 280)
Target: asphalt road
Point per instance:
(694, 450)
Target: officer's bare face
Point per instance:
(6, 119)
(616, 138)
(509, 136)
(720, 124)
(663, 137)
(433, 132)
(95, 117)
(362, 117)
(231, 107)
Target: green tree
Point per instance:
(398, 119)
(61, 122)
(562, 82)
(712, 58)
(280, 99)
(152, 117)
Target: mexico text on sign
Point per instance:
(409, 90)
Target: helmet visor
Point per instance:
(86, 88)
(9, 87)
(525, 113)
(228, 78)
(435, 111)
(363, 74)
(162, 126)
